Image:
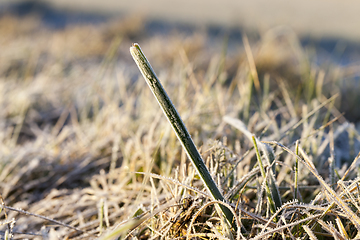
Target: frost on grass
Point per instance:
(86, 152)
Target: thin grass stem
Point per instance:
(263, 174)
(296, 193)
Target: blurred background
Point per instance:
(324, 32)
(317, 19)
(330, 25)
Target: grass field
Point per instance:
(87, 153)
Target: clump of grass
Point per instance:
(87, 154)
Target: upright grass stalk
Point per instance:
(178, 126)
(263, 174)
(296, 193)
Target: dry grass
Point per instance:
(85, 145)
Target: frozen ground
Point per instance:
(77, 121)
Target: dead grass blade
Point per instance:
(238, 224)
(279, 229)
(308, 115)
(42, 217)
(309, 232)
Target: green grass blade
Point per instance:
(178, 126)
(296, 189)
(263, 174)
